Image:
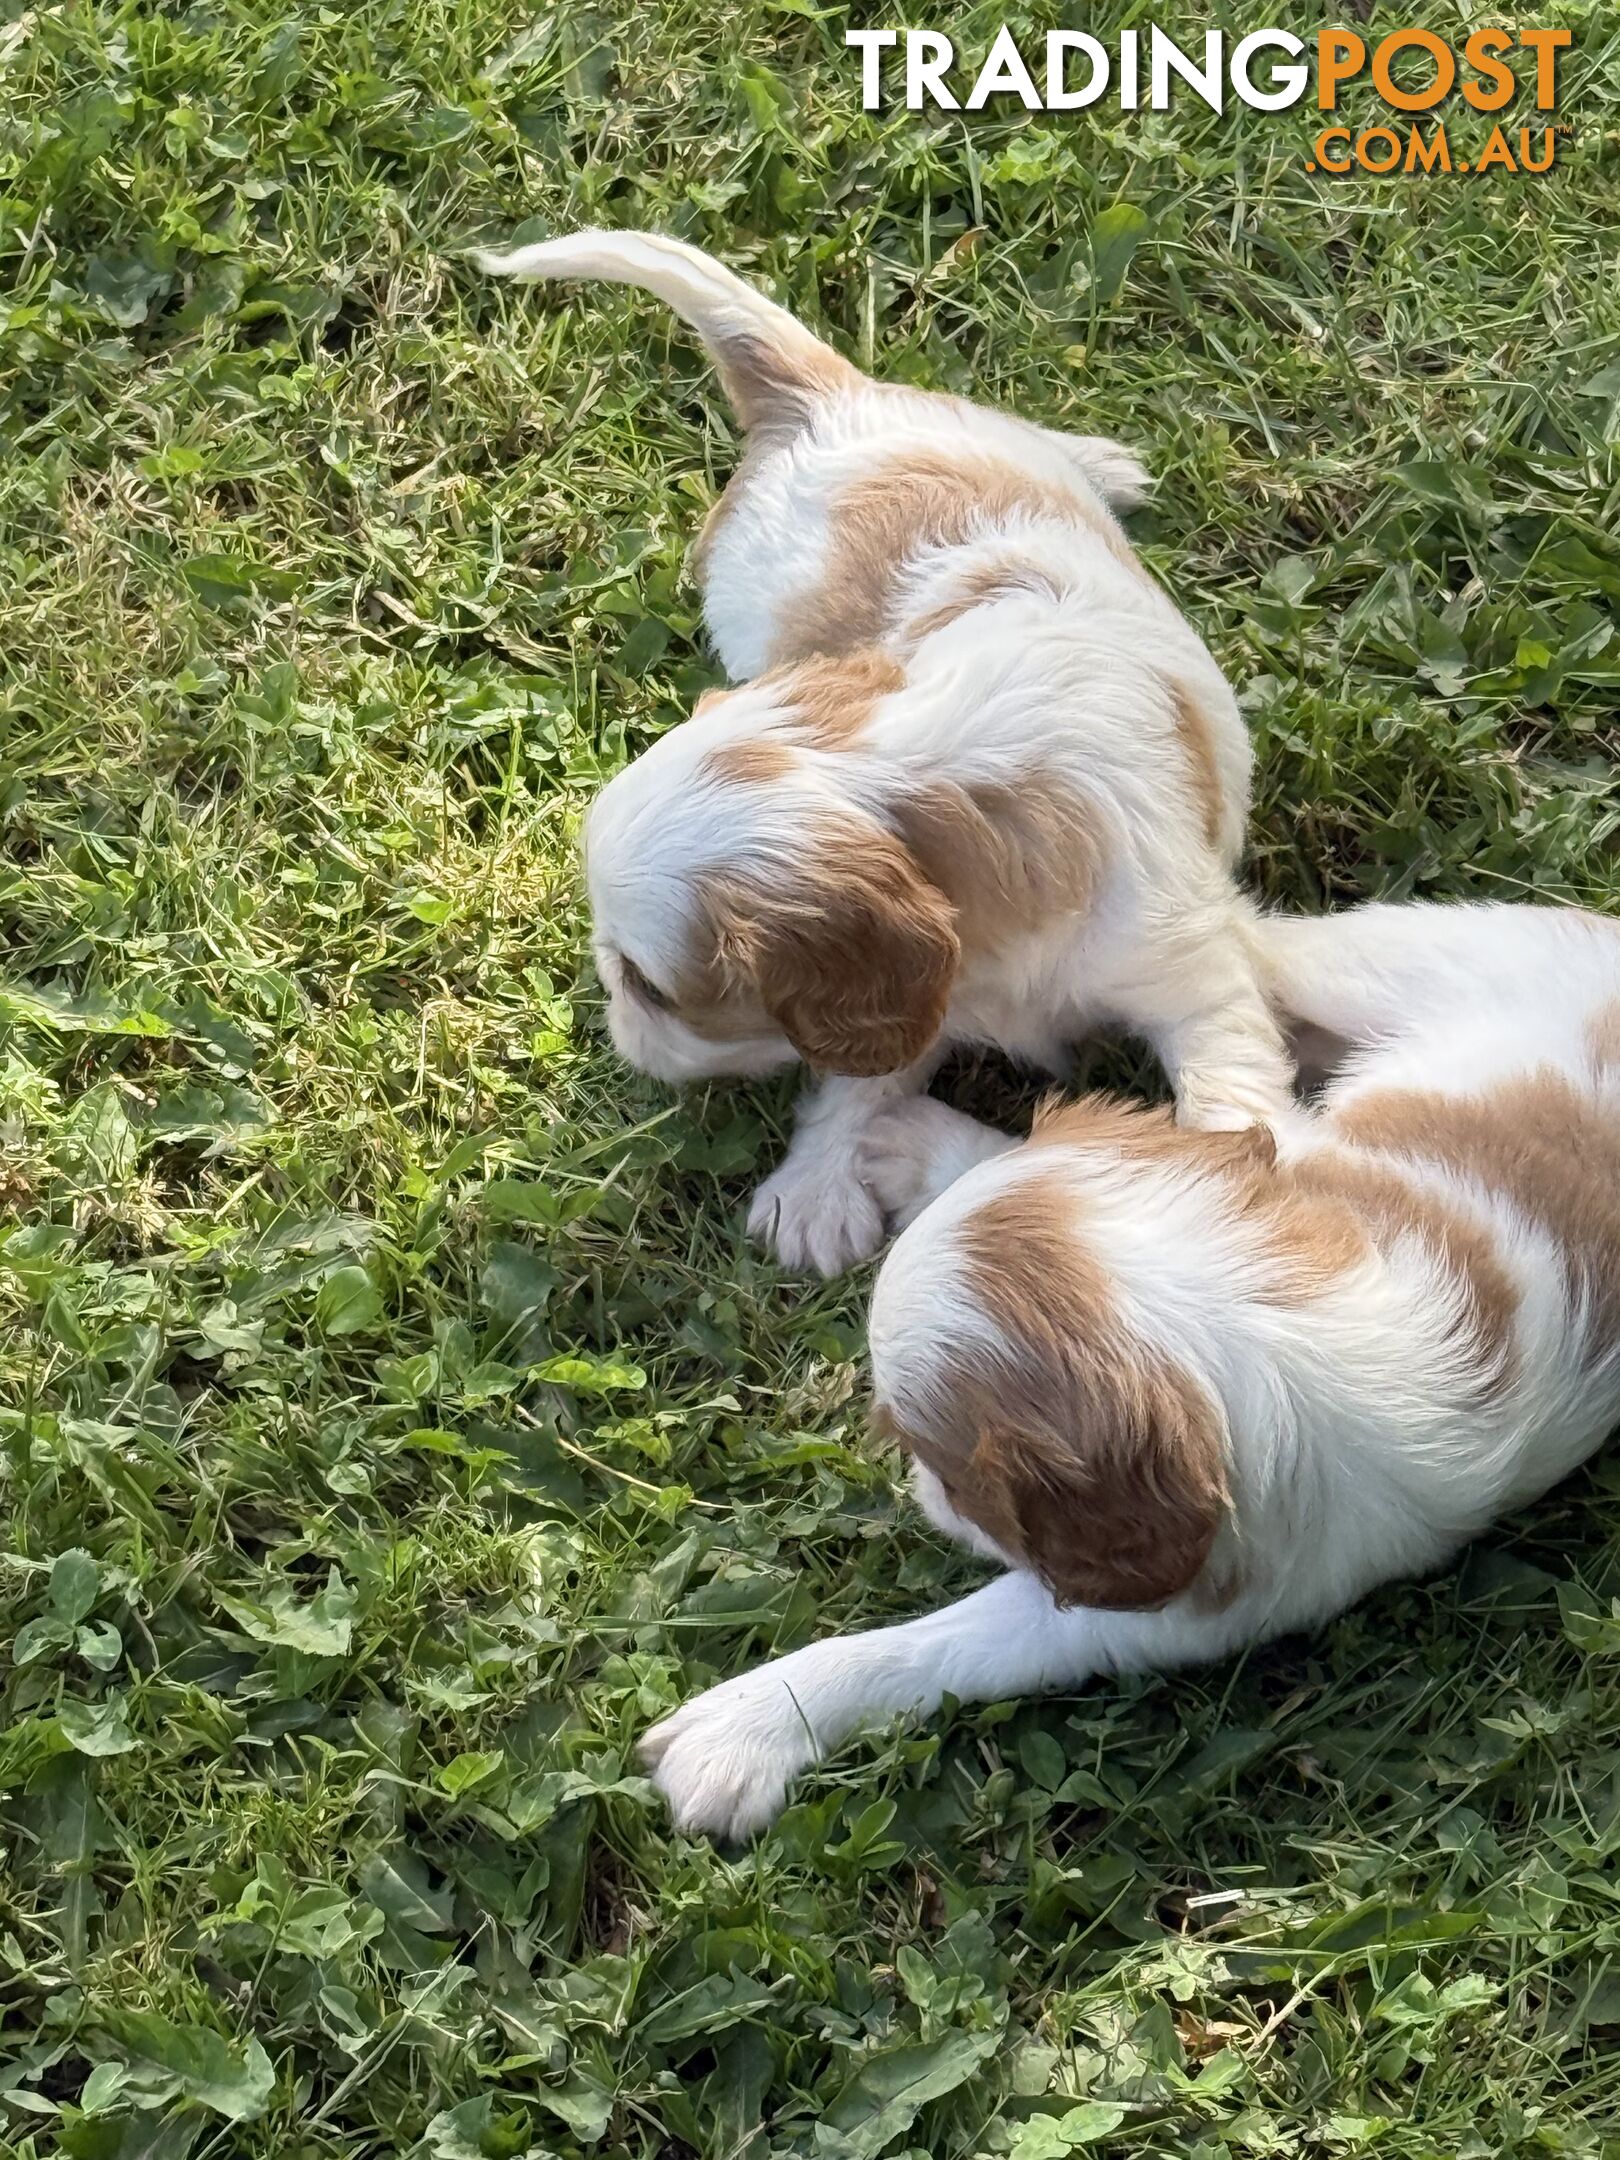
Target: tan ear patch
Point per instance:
(1125, 1526)
(1012, 858)
(1085, 1454)
(854, 959)
(1109, 1461)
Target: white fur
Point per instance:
(1072, 679)
(1360, 1445)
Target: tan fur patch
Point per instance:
(832, 697)
(907, 505)
(1318, 1216)
(1081, 1451)
(758, 761)
(853, 960)
(775, 383)
(1313, 1238)
(1603, 1037)
(980, 584)
(1197, 740)
(1391, 1206)
(1011, 859)
(1314, 1235)
(1148, 1132)
(1540, 1143)
(826, 704)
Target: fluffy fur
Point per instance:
(1194, 1391)
(984, 783)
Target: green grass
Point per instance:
(394, 1419)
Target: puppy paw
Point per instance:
(1216, 1117)
(815, 1219)
(1230, 1110)
(913, 1151)
(1230, 1094)
(724, 1760)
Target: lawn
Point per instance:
(395, 1421)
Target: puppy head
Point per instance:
(1043, 1428)
(749, 908)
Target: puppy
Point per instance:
(1194, 1390)
(984, 783)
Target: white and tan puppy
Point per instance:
(1194, 1390)
(984, 783)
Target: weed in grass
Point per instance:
(395, 1422)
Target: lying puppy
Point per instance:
(1193, 1390)
(986, 784)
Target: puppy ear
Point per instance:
(853, 961)
(1118, 1509)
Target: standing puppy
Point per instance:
(1195, 1390)
(985, 784)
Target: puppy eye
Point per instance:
(636, 982)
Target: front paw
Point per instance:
(1227, 1109)
(1233, 1093)
(1196, 1115)
(913, 1151)
(723, 1761)
(815, 1219)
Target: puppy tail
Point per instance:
(774, 371)
(1370, 974)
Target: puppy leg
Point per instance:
(1199, 1003)
(724, 1760)
(913, 1151)
(815, 1211)
(1228, 1068)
